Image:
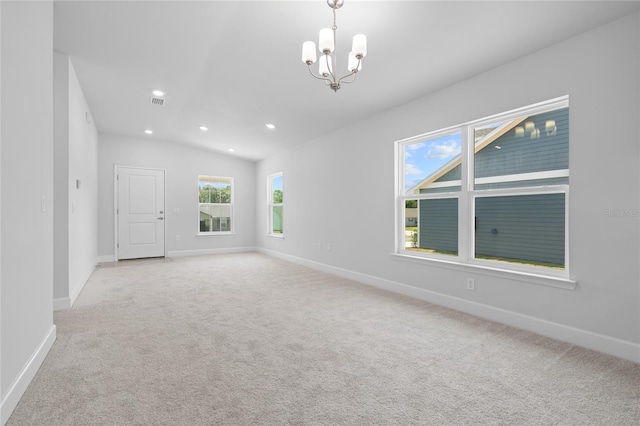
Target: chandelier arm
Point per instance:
(352, 73)
(318, 77)
(346, 76)
(333, 78)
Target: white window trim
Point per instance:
(231, 231)
(446, 184)
(465, 260)
(271, 204)
(522, 177)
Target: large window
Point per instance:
(492, 192)
(275, 204)
(215, 205)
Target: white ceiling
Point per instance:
(235, 65)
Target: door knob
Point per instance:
(161, 218)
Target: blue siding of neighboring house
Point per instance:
(521, 227)
(526, 155)
(453, 174)
(438, 224)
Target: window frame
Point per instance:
(271, 204)
(231, 229)
(467, 195)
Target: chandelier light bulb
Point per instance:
(325, 66)
(359, 47)
(326, 43)
(309, 52)
(529, 126)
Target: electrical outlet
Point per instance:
(177, 237)
(319, 245)
(328, 246)
(471, 284)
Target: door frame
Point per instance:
(116, 168)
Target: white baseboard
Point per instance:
(61, 303)
(107, 258)
(20, 384)
(184, 253)
(78, 289)
(587, 339)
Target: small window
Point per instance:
(215, 205)
(275, 206)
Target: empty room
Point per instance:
(319, 212)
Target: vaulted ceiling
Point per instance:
(233, 66)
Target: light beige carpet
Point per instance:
(246, 339)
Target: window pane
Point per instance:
(277, 194)
(527, 151)
(276, 219)
(214, 192)
(432, 225)
(433, 165)
(528, 229)
(215, 218)
(411, 225)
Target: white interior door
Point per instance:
(140, 213)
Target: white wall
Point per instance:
(60, 180)
(354, 169)
(76, 158)
(182, 166)
(27, 331)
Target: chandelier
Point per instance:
(327, 66)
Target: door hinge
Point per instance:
(117, 211)
(118, 245)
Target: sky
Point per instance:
(423, 158)
(277, 183)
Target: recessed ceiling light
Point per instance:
(148, 131)
(158, 93)
(270, 126)
(204, 128)
(231, 150)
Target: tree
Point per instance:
(215, 195)
(277, 196)
(411, 204)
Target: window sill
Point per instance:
(278, 236)
(530, 278)
(214, 234)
